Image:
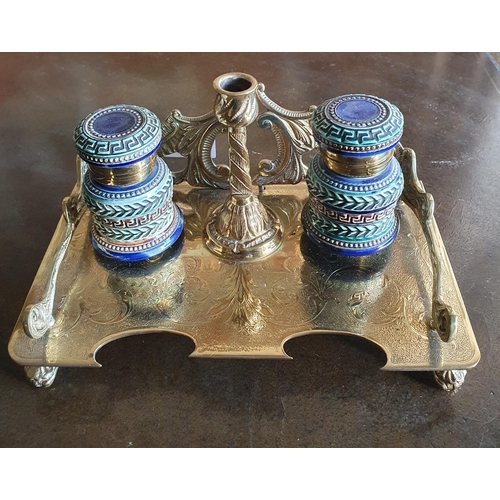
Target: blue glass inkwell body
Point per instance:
(354, 180)
(128, 188)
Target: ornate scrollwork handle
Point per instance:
(38, 318)
(443, 318)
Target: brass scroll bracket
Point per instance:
(193, 138)
(443, 318)
(38, 318)
(293, 135)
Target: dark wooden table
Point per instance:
(149, 393)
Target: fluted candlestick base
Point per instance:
(243, 229)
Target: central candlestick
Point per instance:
(242, 228)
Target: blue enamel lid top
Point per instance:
(118, 135)
(357, 125)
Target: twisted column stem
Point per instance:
(239, 161)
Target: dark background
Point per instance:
(149, 393)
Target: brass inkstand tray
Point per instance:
(404, 299)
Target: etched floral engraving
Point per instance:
(239, 299)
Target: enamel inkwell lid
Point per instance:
(357, 125)
(117, 136)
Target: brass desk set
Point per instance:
(346, 244)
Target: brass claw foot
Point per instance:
(41, 376)
(242, 227)
(450, 380)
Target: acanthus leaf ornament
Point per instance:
(244, 306)
(293, 134)
(193, 137)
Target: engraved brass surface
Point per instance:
(250, 309)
